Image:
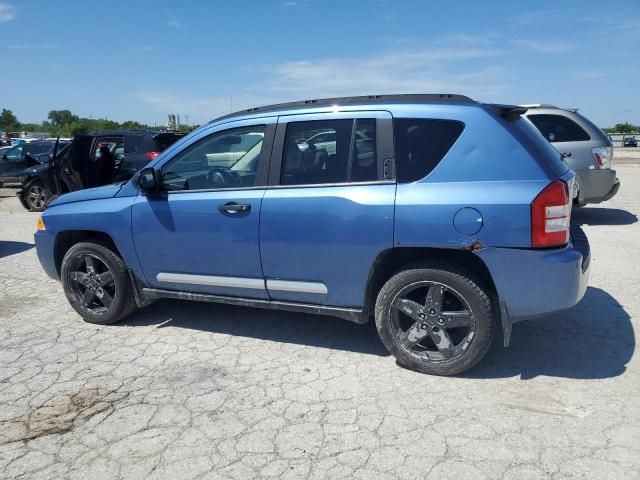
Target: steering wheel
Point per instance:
(215, 178)
(226, 178)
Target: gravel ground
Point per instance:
(185, 390)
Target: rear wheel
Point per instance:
(96, 284)
(36, 196)
(435, 319)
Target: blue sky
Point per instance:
(140, 60)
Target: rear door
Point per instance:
(328, 211)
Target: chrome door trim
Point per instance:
(211, 281)
(298, 287)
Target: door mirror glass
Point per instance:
(147, 180)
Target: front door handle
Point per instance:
(233, 207)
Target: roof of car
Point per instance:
(134, 131)
(357, 100)
(533, 106)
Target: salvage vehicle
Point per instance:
(461, 223)
(13, 160)
(583, 146)
(92, 160)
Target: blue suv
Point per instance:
(441, 217)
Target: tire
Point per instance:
(97, 297)
(444, 340)
(36, 196)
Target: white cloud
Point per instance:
(7, 12)
(174, 23)
(295, 3)
(200, 109)
(34, 47)
(544, 45)
(450, 65)
(442, 67)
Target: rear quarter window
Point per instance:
(558, 128)
(421, 144)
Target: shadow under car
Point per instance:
(592, 340)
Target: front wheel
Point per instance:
(96, 284)
(36, 196)
(435, 319)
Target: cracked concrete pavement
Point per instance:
(187, 390)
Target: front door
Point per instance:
(200, 233)
(12, 161)
(328, 212)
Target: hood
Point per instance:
(97, 193)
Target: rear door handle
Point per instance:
(233, 207)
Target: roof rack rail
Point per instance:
(538, 105)
(548, 105)
(394, 98)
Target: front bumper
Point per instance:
(596, 186)
(46, 253)
(532, 283)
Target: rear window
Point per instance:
(558, 128)
(165, 140)
(421, 144)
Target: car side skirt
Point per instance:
(354, 315)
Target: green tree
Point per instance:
(625, 128)
(60, 118)
(8, 121)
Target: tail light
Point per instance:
(550, 216)
(603, 156)
(152, 155)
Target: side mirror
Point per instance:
(147, 180)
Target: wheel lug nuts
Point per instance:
(432, 311)
(441, 321)
(421, 315)
(424, 326)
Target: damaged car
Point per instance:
(91, 160)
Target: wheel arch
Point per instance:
(67, 238)
(395, 259)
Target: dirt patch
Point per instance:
(9, 306)
(60, 414)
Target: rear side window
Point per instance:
(133, 143)
(558, 128)
(421, 144)
(164, 141)
(330, 151)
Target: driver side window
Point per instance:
(226, 159)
